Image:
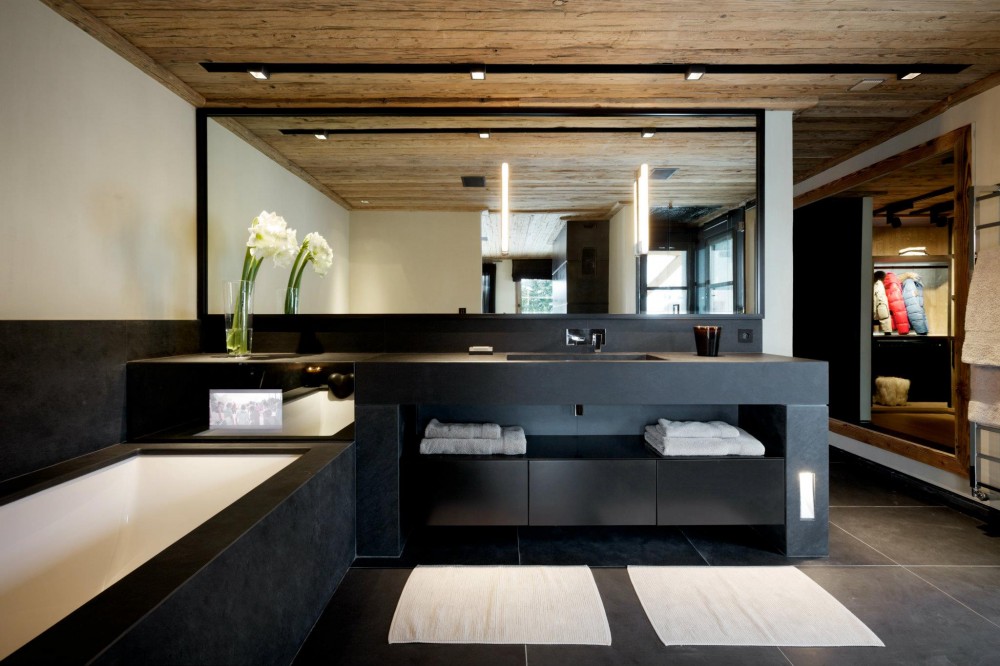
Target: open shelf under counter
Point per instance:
(598, 480)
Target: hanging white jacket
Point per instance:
(880, 308)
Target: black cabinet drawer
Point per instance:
(592, 492)
(475, 492)
(741, 491)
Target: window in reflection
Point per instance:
(666, 277)
(535, 296)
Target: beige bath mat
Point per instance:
(532, 605)
(768, 606)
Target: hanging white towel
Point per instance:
(984, 399)
(982, 312)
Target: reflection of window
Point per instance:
(666, 282)
(715, 272)
(536, 296)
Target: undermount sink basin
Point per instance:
(580, 356)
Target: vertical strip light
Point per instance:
(635, 216)
(504, 209)
(807, 496)
(642, 211)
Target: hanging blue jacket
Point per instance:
(913, 298)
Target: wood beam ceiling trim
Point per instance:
(968, 92)
(97, 29)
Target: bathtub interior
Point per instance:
(63, 545)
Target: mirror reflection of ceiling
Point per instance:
(700, 165)
(173, 37)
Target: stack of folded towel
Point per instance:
(481, 439)
(697, 438)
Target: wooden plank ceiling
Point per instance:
(593, 171)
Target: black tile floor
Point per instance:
(924, 577)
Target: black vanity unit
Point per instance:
(586, 462)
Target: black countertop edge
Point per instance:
(88, 631)
(261, 358)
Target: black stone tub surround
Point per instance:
(593, 469)
(244, 587)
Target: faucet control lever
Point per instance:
(592, 337)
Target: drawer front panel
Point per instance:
(476, 492)
(721, 492)
(592, 492)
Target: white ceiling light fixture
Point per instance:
(647, 133)
(321, 135)
(642, 210)
(484, 134)
(694, 73)
(259, 72)
(478, 72)
(909, 76)
(866, 84)
(504, 209)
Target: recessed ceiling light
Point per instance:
(364, 201)
(484, 134)
(321, 135)
(909, 76)
(866, 84)
(478, 72)
(694, 73)
(259, 72)
(647, 133)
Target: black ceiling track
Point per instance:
(517, 130)
(564, 68)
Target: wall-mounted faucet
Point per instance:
(594, 337)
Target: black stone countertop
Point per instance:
(679, 378)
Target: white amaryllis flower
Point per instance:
(319, 252)
(271, 237)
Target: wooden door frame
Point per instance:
(958, 141)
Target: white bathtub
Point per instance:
(63, 545)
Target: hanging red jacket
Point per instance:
(897, 307)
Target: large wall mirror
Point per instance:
(609, 212)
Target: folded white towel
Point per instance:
(743, 445)
(512, 442)
(984, 396)
(982, 311)
(697, 428)
(436, 429)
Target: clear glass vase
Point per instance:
(291, 300)
(237, 303)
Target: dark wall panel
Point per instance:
(62, 384)
(826, 277)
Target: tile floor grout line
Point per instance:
(959, 602)
(865, 543)
(703, 558)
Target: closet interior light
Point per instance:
(504, 209)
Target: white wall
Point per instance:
(242, 182)
(621, 273)
(97, 179)
(506, 288)
(415, 262)
(777, 324)
(983, 113)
